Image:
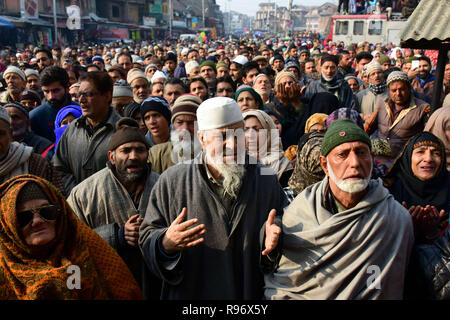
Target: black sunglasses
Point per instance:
(48, 213)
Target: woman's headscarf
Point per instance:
(27, 274)
(307, 170)
(407, 187)
(62, 113)
(255, 95)
(316, 118)
(273, 155)
(394, 53)
(437, 124)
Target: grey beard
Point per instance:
(186, 149)
(233, 175)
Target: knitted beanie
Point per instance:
(209, 63)
(127, 130)
(185, 104)
(4, 115)
(134, 74)
(373, 66)
(342, 131)
(12, 69)
(221, 64)
(384, 59)
(283, 74)
(122, 89)
(157, 104)
(18, 106)
(397, 76)
(190, 66)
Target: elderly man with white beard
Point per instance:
(344, 237)
(184, 144)
(212, 225)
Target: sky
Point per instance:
(249, 7)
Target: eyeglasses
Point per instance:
(48, 213)
(87, 94)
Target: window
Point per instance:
(375, 27)
(341, 27)
(115, 12)
(358, 28)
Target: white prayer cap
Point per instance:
(240, 59)
(158, 75)
(190, 66)
(184, 51)
(218, 112)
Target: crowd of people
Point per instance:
(226, 170)
(405, 7)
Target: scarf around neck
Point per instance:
(17, 155)
(377, 89)
(332, 85)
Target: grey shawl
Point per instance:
(327, 256)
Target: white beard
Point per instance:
(233, 175)
(186, 149)
(350, 186)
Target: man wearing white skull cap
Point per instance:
(212, 225)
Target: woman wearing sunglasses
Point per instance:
(47, 253)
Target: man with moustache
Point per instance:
(138, 81)
(212, 226)
(55, 85)
(83, 147)
(184, 144)
(344, 237)
(113, 201)
(15, 84)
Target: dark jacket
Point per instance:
(39, 144)
(42, 119)
(429, 270)
(79, 155)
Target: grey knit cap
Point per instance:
(122, 89)
(397, 76)
(4, 115)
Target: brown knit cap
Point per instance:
(185, 104)
(127, 130)
(31, 191)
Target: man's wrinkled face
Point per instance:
(130, 160)
(55, 94)
(33, 82)
(349, 166)
(376, 77)
(400, 92)
(141, 89)
(185, 122)
(262, 85)
(125, 62)
(193, 56)
(221, 147)
(15, 83)
(172, 92)
(208, 73)
(19, 122)
(424, 69)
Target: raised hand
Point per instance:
(273, 233)
(182, 235)
(131, 230)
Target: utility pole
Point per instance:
(170, 18)
(203, 12)
(54, 21)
